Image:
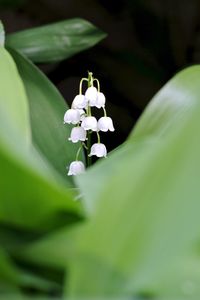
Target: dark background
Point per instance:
(148, 42)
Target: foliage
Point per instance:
(134, 233)
(52, 43)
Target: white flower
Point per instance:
(76, 168)
(72, 116)
(89, 123)
(91, 96)
(82, 114)
(105, 124)
(79, 102)
(77, 134)
(101, 100)
(99, 150)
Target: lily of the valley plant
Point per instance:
(80, 115)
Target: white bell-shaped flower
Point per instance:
(99, 150)
(105, 124)
(91, 96)
(82, 114)
(101, 100)
(77, 134)
(79, 102)
(76, 168)
(89, 123)
(72, 116)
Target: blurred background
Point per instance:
(147, 43)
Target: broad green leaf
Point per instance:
(145, 214)
(160, 116)
(11, 276)
(8, 273)
(12, 238)
(182, 280)
(14, 119)
(32, 194)
(54, 250)
(47, 108)
(55, 42)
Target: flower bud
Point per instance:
(77, 134)
(99, 150)
(76, 168)
(72, 116)
(91, 96)
(105, 124)
(89, 123)
(79, 102)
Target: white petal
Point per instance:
(105, 124)
(79, 102)
(111, 127)
(77, 134)
(91, 96)
(76, 168)
(82, 114)
(101, 100)
(72, 116)
(99, 150)
(89, 123)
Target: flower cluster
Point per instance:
(80, 115)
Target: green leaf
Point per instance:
(145, 212)
(10, 114)
(167, 108)
(32, 194)
(55, 42)
(54, 250)
(47, 108)
(11, 276)
(182, 280)
(8, 273)
(38, 199)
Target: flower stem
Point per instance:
(80, 86)
(104, 110)
(89, 111)
(84, 145)
(90, 83)
(98, 84)
(89, 158)
(98, 138)
(90, 79)
(78, 152)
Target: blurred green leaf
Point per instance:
(8, 273)
(182, 280)
(12, 238)
(145, 213)
(55, 42)
(37, 199)
(32, 194)
(47, 108)
(11, 276)
(54, 250)
(13, 104)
